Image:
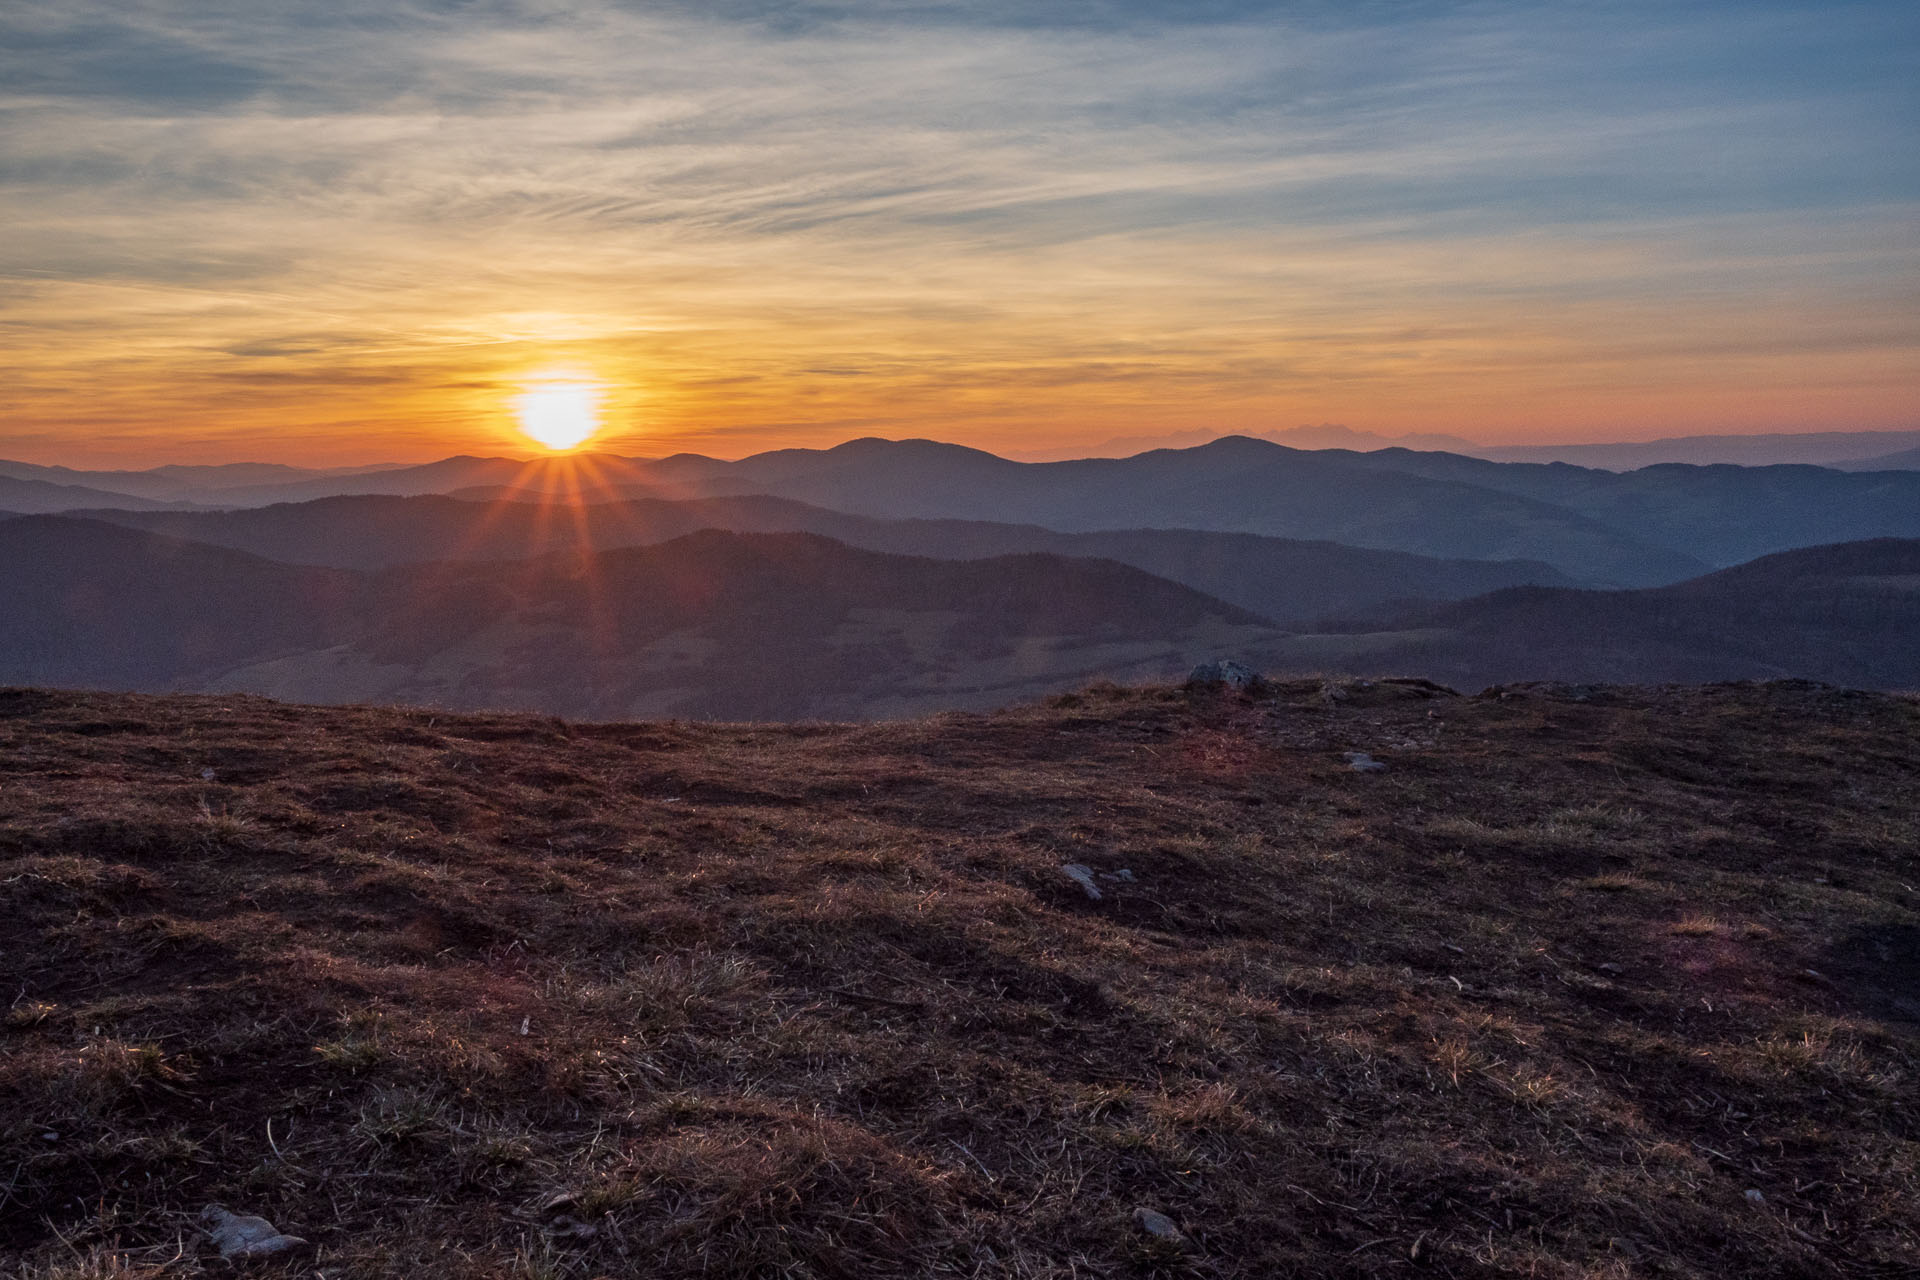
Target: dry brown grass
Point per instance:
(499, 996)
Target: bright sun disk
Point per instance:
(559, 415)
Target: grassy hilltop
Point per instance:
(1605, 982)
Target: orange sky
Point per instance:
(305, 240)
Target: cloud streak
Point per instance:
(1490, 219)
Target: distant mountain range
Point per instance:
(177, 483)
(1905, 460)
(797, 625)
(1846, 450)
(1648, 527)
(42, 497)
(1847, 614)
(711, 625)
(1292, 582)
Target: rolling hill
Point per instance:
(95, 605)
(1721, 514)
(712, 624)
(1904, 460)
(796, 625)
(40, 497)
(1849, 614)
(1232, 485)
(1285, 580)
(1649, 527)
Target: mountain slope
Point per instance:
(1282, 579)
(93, 604)
(1904, 460)
(1847, 613)
(1841, 449)
(176, 482)
(1647, 527)
(770, 626)
(43, 497)
(1721, 514)
(711, 624)
(1232, 485)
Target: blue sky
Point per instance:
(300, 226)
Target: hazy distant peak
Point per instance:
(870, 445)
(1251, 446)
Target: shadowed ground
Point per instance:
(506, 996)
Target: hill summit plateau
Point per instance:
(1587, 981)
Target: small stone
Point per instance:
(240, 1236)
(1754, 1196)
(207, 775)
(1234, 675)
(560, 1203)
(1157, 1225)
(1082, 876)
(568, 1227)
(1361, 762)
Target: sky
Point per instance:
(360, 230)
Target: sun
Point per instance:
(559, 414)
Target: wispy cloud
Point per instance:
(1120, 215)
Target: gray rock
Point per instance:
(239, 1236)
(1158, 1225)
(1361, 762)
(1082, 876)
(1233, 675)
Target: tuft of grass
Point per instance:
(396, 1117)
(29, 1013)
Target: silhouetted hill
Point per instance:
(1232, 485)
(1648, 527)
(41, 497)
(1290, 581)
(95, 605)
(1905, 460)
(1721, 514)
(581, 477)
(1841, 449)
(1848, 614)
(757, 626)
(211, 484)
(711, 624)
(797, 625)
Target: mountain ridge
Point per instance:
(1289, 580)
(1641, 528)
